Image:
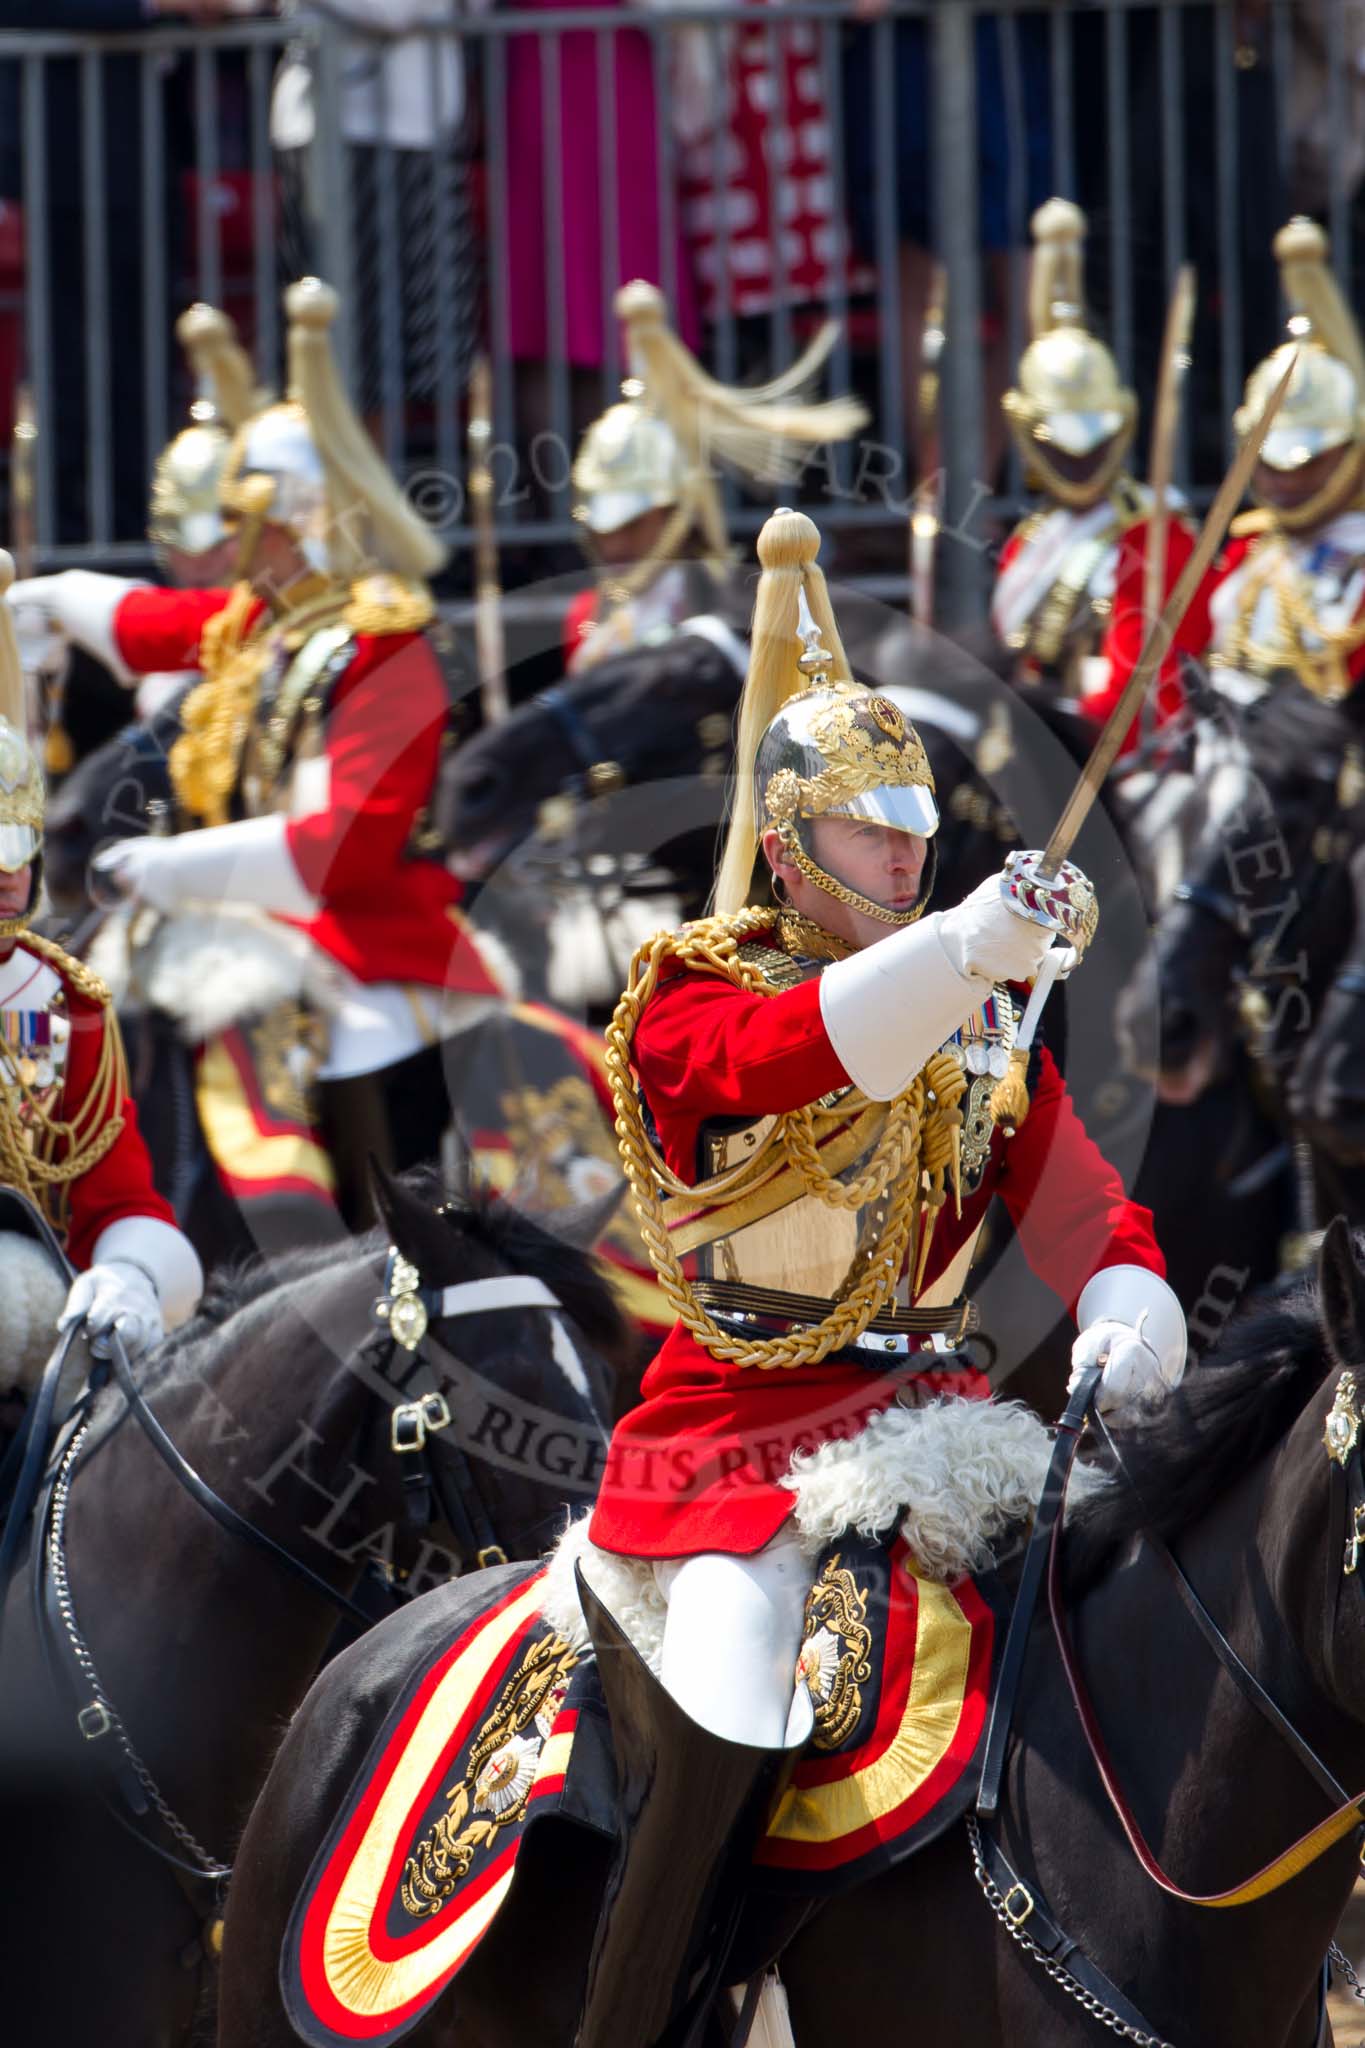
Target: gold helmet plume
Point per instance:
(656, 448)
(810, 741)
(184, 511)
(22, 796)
(1324, 407)
(1069, 399)
(309, 465)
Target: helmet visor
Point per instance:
(906, 807)
(1077, 433)
(19, 846)
(1289, 447)
(609, 511)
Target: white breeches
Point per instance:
(731, 1639)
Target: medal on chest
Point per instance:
(983, 1045)
(34, 1044)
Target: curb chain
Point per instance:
(1058, 1972)
(1345, 1968)
(56, 1551)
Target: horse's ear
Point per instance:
(1341, 1292)
(397, 1207)
(583, 1223)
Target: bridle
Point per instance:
(1020, 1907)
(404, 1314)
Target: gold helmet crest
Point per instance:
(1069, 401)
(185, 511)
(660, 446)
(1324, 407)
(812, 743)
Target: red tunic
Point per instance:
(579, 621)
(120, 1184)
(695, 1466)
(383, 915)
(1121, 642)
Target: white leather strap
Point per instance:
(508, 1290)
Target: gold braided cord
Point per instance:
(41, 1155)
(1322, 669)
(235, 650)
(712, 946)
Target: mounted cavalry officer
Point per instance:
(1069, 597)
(1293, 601)
(301, 781)
(69, 1140)
(647, 497)
(817, 1101)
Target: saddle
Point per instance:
(504, 1728)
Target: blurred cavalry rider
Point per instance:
(1293, 602)
(1068, 597)
(301, 780)
(647, 497)
(799, 1091)
(69, 1139)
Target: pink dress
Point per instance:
(580, 219)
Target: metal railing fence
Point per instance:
(765, 165)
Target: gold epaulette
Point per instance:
(83, 979)
(388, 604)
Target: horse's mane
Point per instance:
(1232, 1408)
(516, 1240)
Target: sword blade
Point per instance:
(1165, 420)
(1158, 643)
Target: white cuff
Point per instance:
(164, 1253)
(889, 1008)
(83, 604)
(1120, 1294)
(245, 862)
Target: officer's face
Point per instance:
(1285, 489)
(14, 891)
(633, 542)
(875, 860)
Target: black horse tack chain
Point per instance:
(101, 1717)
(1058, 1972)
(1345, 1969)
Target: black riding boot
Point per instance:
(690, 1807)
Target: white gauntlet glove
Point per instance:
(1130, 1319)
(245, 862)
(117, 1296)
(984, 937)
(81, 604)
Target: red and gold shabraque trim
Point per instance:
(350, 1976)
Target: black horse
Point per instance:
(1234, 1477)
(281, 1394)
(1246, 956)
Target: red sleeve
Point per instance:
(156, 629)
(1065, 1199)
(383, 745)
(704, 1048)
(578, 622)
(121, 1183)
(1128, 624)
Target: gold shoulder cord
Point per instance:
(61, 1151)
(919, 1138)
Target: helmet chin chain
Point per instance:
(840, 891)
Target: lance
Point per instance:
(1175, 361)
(47, 688)
(1158, 643)
(490, 645)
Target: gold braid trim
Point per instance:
(41, 1155)
(712, 946)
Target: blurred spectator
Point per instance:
(601, 222)
(404, 119)
(1014, 170)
